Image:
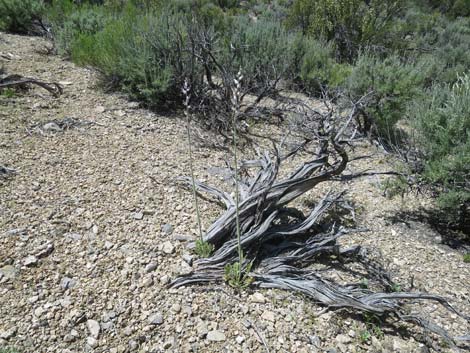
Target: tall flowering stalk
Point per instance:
(203, 248)
(236, 108)
(235, 274)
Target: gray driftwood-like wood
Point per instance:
(282, 244)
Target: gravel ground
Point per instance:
(92, 228)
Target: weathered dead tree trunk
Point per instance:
(280, 243)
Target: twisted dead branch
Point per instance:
(281, 244)
(19, 81)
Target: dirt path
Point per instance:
(92, 228)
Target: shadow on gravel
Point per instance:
(457, 236)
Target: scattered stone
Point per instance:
(92, 342)
(30, 261)
(106, 326)
(120, 113)
(183, 238)
(176, 308)
(343, 339)
(73, 236)
(268, 316)
(258, 298)
(188, 259)
(147, 282)
(133, 105)
(165, 279)
(376, 344)
(7, 334)
(133, 345)
(93, 327)
(240, 339)
(168, 344)
(33, 299)
(151, 267)
(216, 336)
(67, 282)
(108, 316)
(69, 338)
(9, 272)
(100, 109)
(138, 215)
(45, 250)
(38, 312)
(155, 319)
(167, 229)
(315, 341)
(184, 268)
(168, 248)
(202, 329)
(17, 231)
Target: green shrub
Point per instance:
(436, 38)
(263, 49)
(452, 48)
(18, 16)
(146, 56)
(350, 24)
(454, 8)
(319, 68)
(390, 85)
(442, 122)
(69, 22)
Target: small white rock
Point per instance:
(258, 298)
(155, 319)
(216, 336)
(150, 267)
(268, 316)
(30, 261)
(94, 328)
(168, 248)
(240, 339)
(92, 342)
(343, 339)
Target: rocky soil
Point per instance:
(92, 228)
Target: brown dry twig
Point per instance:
(19, 81)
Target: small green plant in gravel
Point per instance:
(395, 186)
(396, 287)
(8, 93)
(364, 283)
(364, 336)
(8, 350)
(466, 258)
(236, 276)
(203, 248)
(372, 323)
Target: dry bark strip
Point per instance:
(281, 243)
